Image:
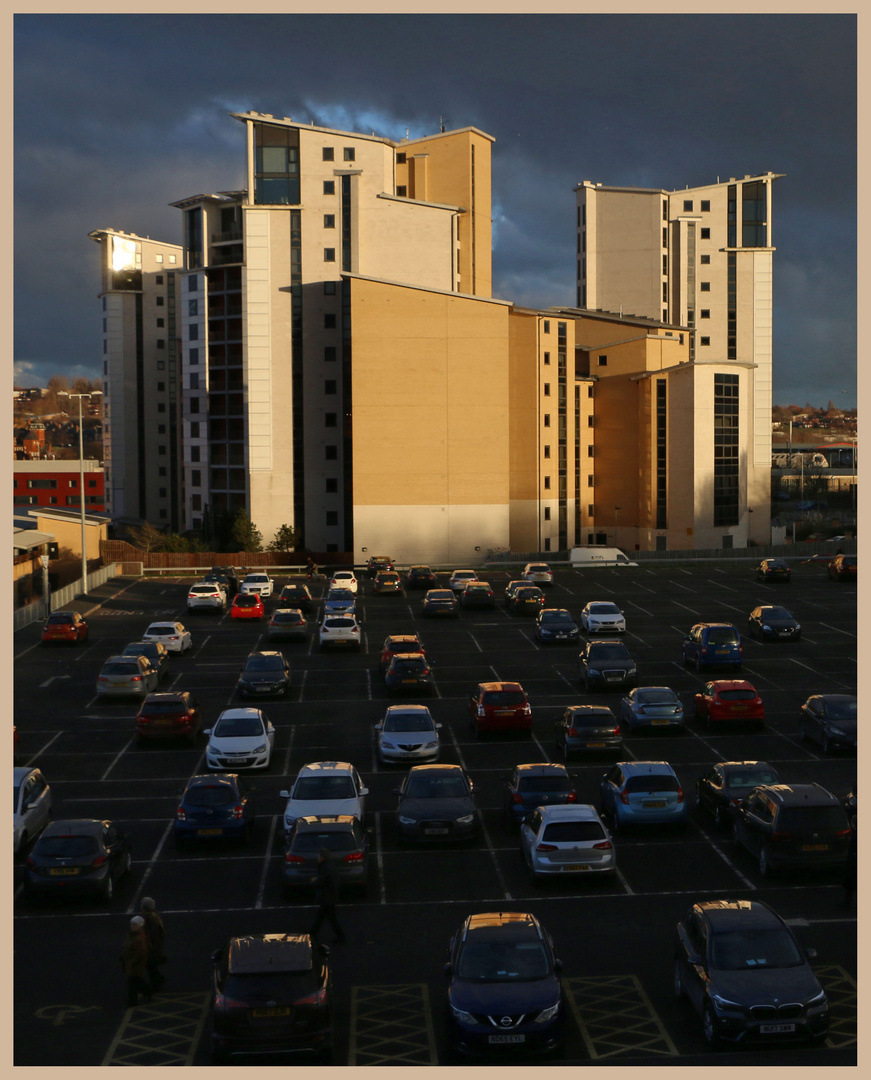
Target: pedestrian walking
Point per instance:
(310, 563)
(155, 936)
(850, 868)
(326, 894)
(134, 962)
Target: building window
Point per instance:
(332, 517)
(329, 221)
(705, 341)
(547, 389)
(706, 234)
(329, 353)
(547, 357)
(547, 450)
(705, 260)
(161, 450)
(664, 237)
(328, 154)
(161, 492)
(196, 478)
(688, 205)
(590, 481)
(195, 430)
(329, 187)
(330, 419)
(329, 322)
(547, 513)
(726, 461)
(591, 421)
(51, 484)
(105, 346)
(161, 365)
(591, 450)
(402, 191)
(331, 485)
(329, 288)
(330, 386)
(193, 332)
(158, 258)
(105, 367)
(161, 407)
(193, 356)
(547, 482)
(665, 266)
(158, 300)
(705, 313)
(195, 404)
(195, 380)
(331, 453)
(589, 391)
(329, 254)
(193, 307)
(161, 386)
(161, 429)
(161, 344)
(547, 419)
(349, 153)
(706, 205)
(705, 286)
(603, 361)
(547, 326)
(195, 453)
(400, 158)
(196, 502)
(193, 281)
(158, 280)
(591, 510)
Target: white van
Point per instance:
(598, 556)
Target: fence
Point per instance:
(35, 612)
(748, 554)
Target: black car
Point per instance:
(229, 576)
(529, 786)
(605, 664)
(420, 577)
(745, 974)
(271, 993)
(773, 570)
(504, 995)
(477, 594)
(587, 728)
(792, 826)
(436, 803)
(440, 602)
(376, 563)
(771, 623)
(75, 857)
(830, 720)
(296, 596)
(722, 787)
(555, 624)
(340, 834)
(409, 673)
(214, 806)
(526, 600)
(155, 651)
(265, 674)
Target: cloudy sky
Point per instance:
(116, 116)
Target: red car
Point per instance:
(399, 643)
(247, 606)
(499, 706)
(169, 716)
(729, 699)
(68, 626)
(843, 568)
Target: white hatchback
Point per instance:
(344, 579)
(539, 573)
(257, 583)
(32, 807)
(240, 739)
(460, 579)
(340, 630)
(324, 788)
(568, 839)
(603, 617)
(171, 634)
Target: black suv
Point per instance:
(792, 825)
(271, 993)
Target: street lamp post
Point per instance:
(616, 524)
(82, 495)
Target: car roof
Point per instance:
(553, 611)
(75, 827)
(542, 768)
(399, 638)
(438, 592)
(475, 572)
(834, 697)
(271, 953)
(487, 686)
(398, 656)
(799, 794)
(591, 709)
(646, 768)
(725, 915)
(706, 625)
(742, 764)
(118, 658)
(287, 611)
(265, 652)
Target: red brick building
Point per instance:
(56, 483)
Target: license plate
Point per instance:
(435, 832)
(722, 652)
(775, 1029)
(815, 847)
(739, 708)
(654, 805)
(164, 721)
(578, 866)
(277, 1011)
(503, 714)
(595, 746)
(503, 1039)
(408, 753)
(209, 832)
(405, 681)
(63, 871)
(655, 722)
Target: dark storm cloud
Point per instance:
(118, 116)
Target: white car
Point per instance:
(344, 579)
(539, 573)
(209, 596)
(340, 630)
(603, 617)
(460, 579)
(408, 733)
(257, 583)
(567, 839)
(32, 807)
(171, 634)
(324, 788)
(240, 739)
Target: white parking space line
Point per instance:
(286, 767)
(379, 860)
(720, 585)
(133, 906)
(640, 608)
(807, 667)
(302, 685)
(117, 757)
(828, 626)
(368, 684)
(625, 883)
(261, 887)
(41, 751)
(491, 850)
(477, 643)
(716, 847)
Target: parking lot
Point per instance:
(615, 940)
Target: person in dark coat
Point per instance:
(134, 962)
(326, 894)
(155, 936)
(850, 868)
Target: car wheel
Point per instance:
(127, 864)
(108, 890)
(677, 981)
(803, 731)
(710, 1028)
(721, 816)
(698, 663)
(824, 743)
(764, 861)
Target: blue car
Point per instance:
(713, 645)
(531, 786)
(214, 806)
(642, 793)
(504, 996)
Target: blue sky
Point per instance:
(117, 116)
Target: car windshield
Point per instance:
(571, 832)
(281, 617)
(59, 620)
(120, 669)
(592, 719)
(724, 635)
(501, 961)
(603, 609)
(246, 601)
(408, 667)
(544, 783)
(256, 579)
(539, 568)
(140, 650)
(751, 777)
(206, 589)
(211, 795)
(429, 786)
(264, 663)
(652, 782)
(16, 792)
(161, 631)
(334, 840)
(740, 950)
(503, 697)
(775, 613)
(608, 651)
(440, 594)
(294, 591)
(234, 727)
(403, 645)
(736, 695)
(557, 617)
(532, 593)
(337, 624)
(324, 787)
(340, 594)
(848, 560)
(409, 722)
(655, 697)
(66, 847)
(841, 710)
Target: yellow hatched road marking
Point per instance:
(841, 991)
(166, 1031)
(615, 1017)
(391, 1024)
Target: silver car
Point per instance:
(651, 706)
(345, 839)
(127, 676)
(32, 806)
(257, 583)
(208, 597)
(569, 839)
(408, 733)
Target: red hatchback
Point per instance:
(68, 626)
(499, 706)
(729, 699)
(247, 606)
(169, 716)
(399, 643)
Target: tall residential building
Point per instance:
(141, 422)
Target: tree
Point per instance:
(245, 534)
(286, 538)
(146, 537)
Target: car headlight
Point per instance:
(431, 745)
(466, 819)
(547, 1014)
(766, 628)
(463, 1016)
(721, 1002)
(407, 820)
(630, 670)
(818, 1001)
(678, 710)
(386, 744)
(261, 749)
(835, 730)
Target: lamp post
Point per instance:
(616, 524)
(82, 495)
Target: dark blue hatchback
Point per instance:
(713, 645)
(214, 806)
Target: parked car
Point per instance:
(296, 596)
(340, 630)
(344, 579)
(155, 651)
(603, 617)
(527, 600)
(745, 974)
(170, 715)
(399, 643)
(725, 784)
(773, 570)
(729, 699)
(409, 673)
(67, 627)
(173, 635)
(571, 839)
(587, 728)
(221, 581)
(214, 806)
(440, 602)
(340, 601)
(713, 645)
(387, 581)
(555, 624)
(642, 793)
(843, 568)
(325, 788)
(228, 574)
(459, 579)
(126, 676)
(271, 993)
(771, 623)
(376, 563)
(477, 594)
(539, 573)
(529, 786)
(407, 733)
(830, 720)
(240, 739)
(420, 577)
(651, 706)
(264, 674)
(289, 623)
(32, 806)
(504, 993)
(345, 839)
(499, 706)
(77, 856)
(205, 596)
(247, 606)
(604, 665)
(512, 587)
(792, 826)
(257, 582)
(436, 802)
